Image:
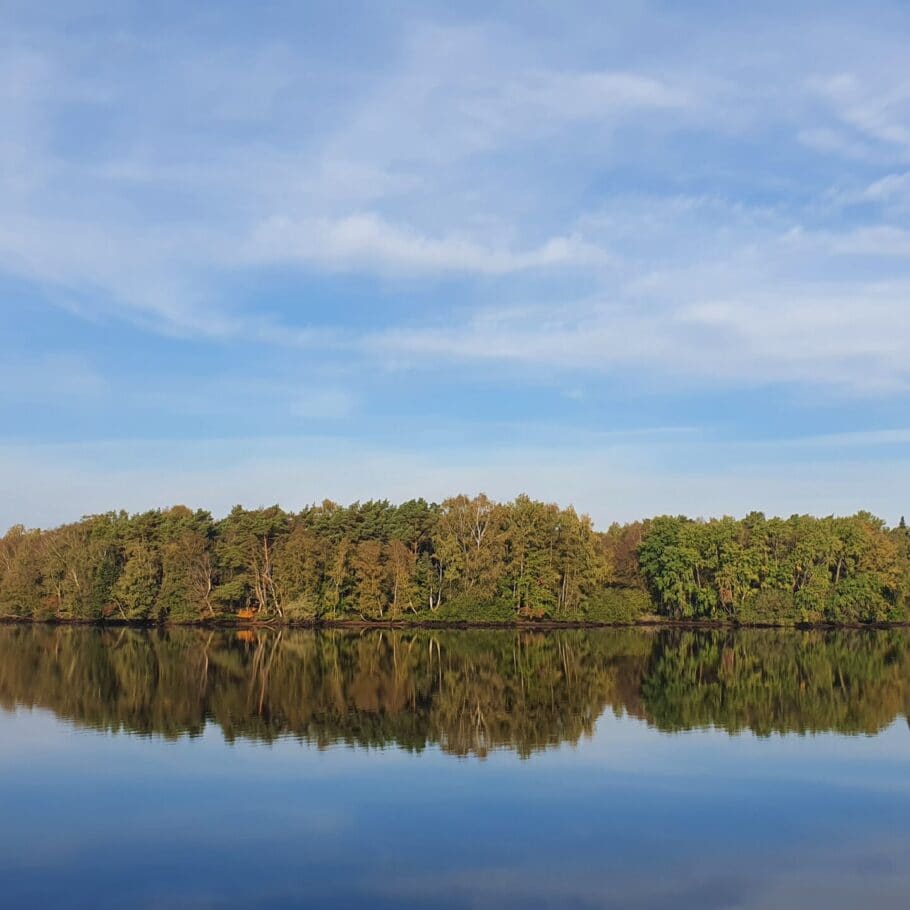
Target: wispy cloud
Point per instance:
(892, 192)
(770, 304)
(879, 112)
(367, 241)
(854, 342)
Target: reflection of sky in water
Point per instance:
(630, 818)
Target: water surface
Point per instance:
(608, 768)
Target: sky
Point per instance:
(640, 257)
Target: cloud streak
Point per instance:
(367, 241)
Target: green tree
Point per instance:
(246, 544)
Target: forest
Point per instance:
(464, 560)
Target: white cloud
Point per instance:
(366, 240)
(878, 112)
(891, 188)
(890, 193)
(874, 241)
(737, 296)
(826, 140)
(418, 164)
(596, 94)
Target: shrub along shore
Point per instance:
(465, 560)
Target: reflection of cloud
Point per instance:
(596, 884)
(841, 876)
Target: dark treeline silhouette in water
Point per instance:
(465, 691)
(466, 559)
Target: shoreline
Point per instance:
(532, 625)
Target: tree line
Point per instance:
(467, 691)
(465, 559)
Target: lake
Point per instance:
(192, 768)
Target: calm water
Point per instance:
(617, 769)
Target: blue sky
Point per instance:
(641, 257)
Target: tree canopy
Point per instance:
(464, 559)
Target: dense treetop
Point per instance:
(467, 558)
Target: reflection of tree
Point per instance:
(466, 691)
(774, 681)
